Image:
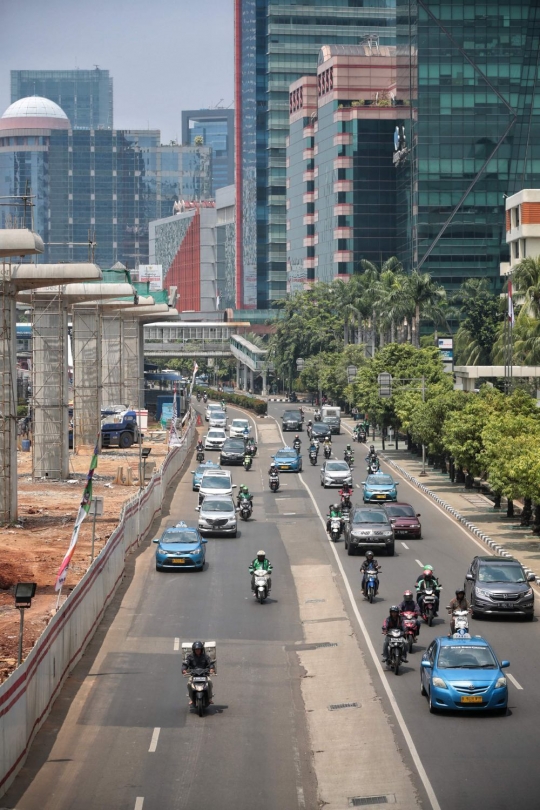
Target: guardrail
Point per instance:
(187, 348)
(27, 696)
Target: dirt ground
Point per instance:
(33, 549)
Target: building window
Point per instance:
(341, 197)
(310, 185)
(342, 244)
(515, 212)
(310, 252)
(342, 221)
(310, 208)
(342, 174)
(310, 230)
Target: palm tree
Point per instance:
(526, 279)
(425, 298)
(371, 280)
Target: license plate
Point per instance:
(284, 467)
(472, 699)
(381, 497)
(504, 605)
(178, 560)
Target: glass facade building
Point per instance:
(471, 70)
(276, 43)
(86, 96)
(216, 128)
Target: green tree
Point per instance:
(480, 316)
(426, 299)
(511, 454)
(526, 280)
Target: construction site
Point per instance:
(85, 384)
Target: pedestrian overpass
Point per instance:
(189, 339)
(251, 362)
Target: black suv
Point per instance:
(232, 452)
(321, 431)
(291, 420)
(369, 527)
(499, 585)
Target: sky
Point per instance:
(164, 57)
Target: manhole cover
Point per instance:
(334, 707)
(312, 601)
(366, 801)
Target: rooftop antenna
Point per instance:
(217, 105)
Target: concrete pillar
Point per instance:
(264, 388)
(8, 404)
(237, 373)
(251, 379)
(111, 331)
(50, 418)
(131, 361)
(245, 378)
(87, 374)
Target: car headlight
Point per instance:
(481, 592)
(387, 534)
(439, 683)
(500, 682)
(527, 594)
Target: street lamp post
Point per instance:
(300, 363)
(24, 593)
(351, 377)
(386, 382)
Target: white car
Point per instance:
(335, 474)
(218, 419)
(217, 514)
(212, 406)
(237, 428)
(215, 439)
(216, 482)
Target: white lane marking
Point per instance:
(287, 498)
(289, 513)
(419, 563)
(405, 545)
(516, 684)
(177, 644)
(154, 741)
(139, 801)
(393, 702)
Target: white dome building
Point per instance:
(34, 112)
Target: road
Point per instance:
(471, 761)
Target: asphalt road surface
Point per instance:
(471, 761)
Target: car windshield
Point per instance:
(501, 573)
(216, 434)
(401, 511)
(286, 454)
(370, 516)
(218, 506)
(384, 480)
(235, 444)
(337, 465)
(296, 415)
(216, 482)
(240, 423)
(330, 420)
(218, 415)
(179, 536)
(319, 428)
(466, 657)
(200, 470)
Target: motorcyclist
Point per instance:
(372, 455)
(297, 443)
(259, 562)
(346, 492)
(308, 428)
(273, 470)
(334, 511)
(250, 445)
(393, 621)
(409, 605)
(200, 446)
(459, 602)
(244, 495)
(198, 659)
(314, 447)
(317, 415)
(348, 454)
(427, 580)
(369, 562)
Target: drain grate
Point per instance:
(325, 644)
(334, 707)
(312, 601)
(365, 801)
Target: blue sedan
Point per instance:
(180, 547)
(379, 487)
(288, 460)
(198, 473)
(463, 675)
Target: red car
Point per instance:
(404, 519)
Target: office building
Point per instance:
(86, 96)
(473, 135)
(216, 128)
(341, 180)
(104, 183)
(276, 44)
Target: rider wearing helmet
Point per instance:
(198, 659)
(427, 580)
(297, 442)
(259, 562)
(369, 562)
(334, 511)
(273, 468)
(459, 602)
(393, 621)
(409, 605)
(372, 452)
(244, 495)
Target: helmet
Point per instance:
(348, 447)
(197, 645)
(460, 590)
(428, 572)
(394, 609)
(428, 568)
(243, 488)
(408, 595)
(297, 436)
(272, 464)
(261, 555)
(335, 506)
(372, 447)
(369, 555)
(309, 423)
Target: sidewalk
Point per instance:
(474, 510)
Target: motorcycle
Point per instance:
(198, 397)
(395, 649)
(374, 466)
(335, 528)
(261, 584)
(317, 416)
(296, 446)
(248, 461)
(199, 690)
(251, 449)
(371, 588)
(345, 500)
(411, 627)
(205, 398)
(327, 451)
(348, 457)
(428, 605)
(461, 623)
(246, 509)
(359, 436)
(274, 482)
(313, 457)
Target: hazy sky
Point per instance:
(164, 57)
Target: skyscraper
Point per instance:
(86, 96)
(276, 44)
(473, 134)
(216, 128)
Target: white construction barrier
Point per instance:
(26, 697)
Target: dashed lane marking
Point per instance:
(154, 741)
(139, 801)
(176, 644)
(405, 546)
(419, 563)
(516, 684)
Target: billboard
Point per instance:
(151, 274)
(446, 351)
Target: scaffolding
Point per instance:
(50, 416)
(8, 404)
(131, 360)
(112, 359)
(87, 371)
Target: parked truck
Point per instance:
(122, 433)
(331, 416)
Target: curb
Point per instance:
(467, 523)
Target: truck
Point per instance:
(122, 433)
(331, 416)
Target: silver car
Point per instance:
(335, 473)
(217, 515)
(218, 419)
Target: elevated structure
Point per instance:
(190, 339)
(252, 361)
(467, 377)
(522, 227)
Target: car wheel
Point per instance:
(529, 617)
(422, 688)
(350, 551)
(158, 567)
(419, 536)
(501, 712)
(234, 534)
(432, 707)
(390, 550)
